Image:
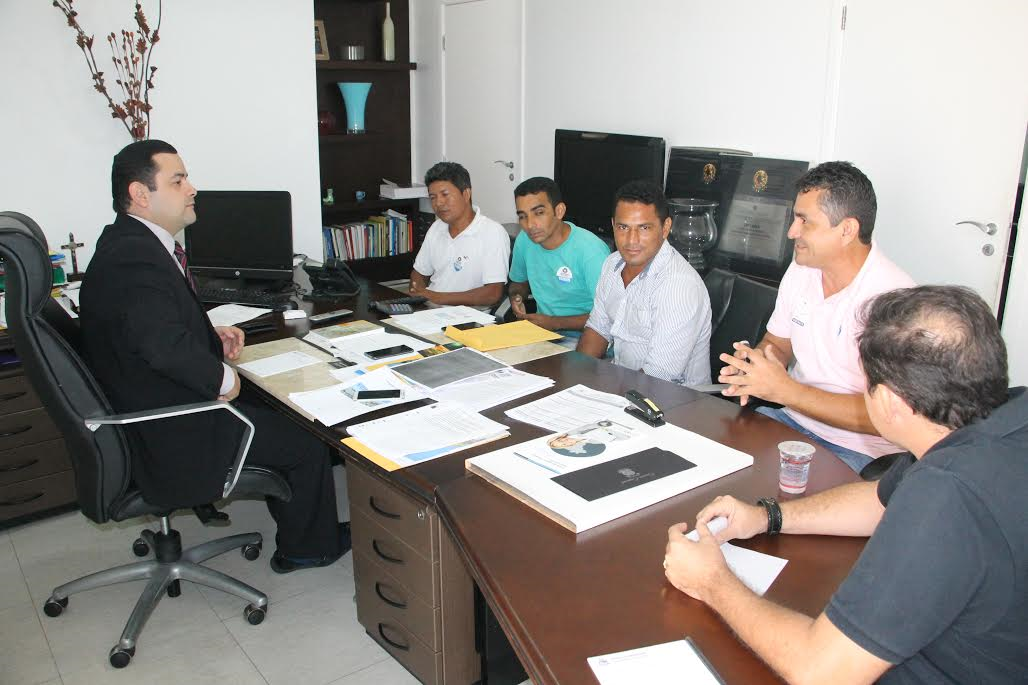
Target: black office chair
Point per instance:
(740, 309)
(100, 451)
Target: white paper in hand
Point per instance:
(756, 570)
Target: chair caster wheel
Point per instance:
(251, 552)
(140, 548)
(174, 588)
(54, 607)
(120, 657)
(254, 615)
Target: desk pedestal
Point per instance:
(414, 595)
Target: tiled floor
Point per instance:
(310, 636)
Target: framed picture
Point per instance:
(320, 41)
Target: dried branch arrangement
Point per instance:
(130, 53)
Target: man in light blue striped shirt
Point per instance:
(649, 301)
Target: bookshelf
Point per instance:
(351, 163)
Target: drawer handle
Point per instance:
(391, 560)
(16, 431)
(19, 467)
(380, 511)
(21, 500)
(397, 645)
(378, 591)
(12, 396)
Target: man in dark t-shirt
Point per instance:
(940, 593)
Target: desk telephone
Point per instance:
(335, 278)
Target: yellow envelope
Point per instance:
(502, 335)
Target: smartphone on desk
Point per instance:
(390, 394)
(388, 352)
(464, 326)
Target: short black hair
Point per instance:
(135, 163)
(449, 171)
(847, 193)
(540, 184)
(643, 191)
(939, 348)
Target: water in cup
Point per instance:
(795, 466)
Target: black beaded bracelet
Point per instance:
(774, 514)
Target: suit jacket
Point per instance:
(149, 343)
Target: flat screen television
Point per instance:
(242, 234)
(589, 167)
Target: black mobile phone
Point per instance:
(378, 394)
(387, 352)
(464, 326)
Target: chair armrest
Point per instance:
(181, 410)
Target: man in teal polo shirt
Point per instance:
(554, 259)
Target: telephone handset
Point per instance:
(335, 279)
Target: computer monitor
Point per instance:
(589, 167)
(242, 234)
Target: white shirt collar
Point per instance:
(167, 240)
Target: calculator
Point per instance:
(394, 308)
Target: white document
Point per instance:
(354, 348)
(479, 393)
(534, 469)
(72, 294)
(671, 662)
(231, 314)
(338, 403)
(426, 432)
(435, 320)
(279, 363)
(756, 570)
(569, 408)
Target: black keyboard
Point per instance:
(255, 298)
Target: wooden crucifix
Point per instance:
(71, 247)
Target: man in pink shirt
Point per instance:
(835, 269)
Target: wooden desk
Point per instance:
(560, 598)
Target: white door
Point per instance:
(933, 107)
(482, 99)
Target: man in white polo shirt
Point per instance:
(835, 270)
(465, 255)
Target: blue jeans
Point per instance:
(855, 460)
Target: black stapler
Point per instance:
(644, 409)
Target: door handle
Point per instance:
(986, 228)
(509, 165)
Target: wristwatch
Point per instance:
(774, 514)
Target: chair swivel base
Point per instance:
(171, 564)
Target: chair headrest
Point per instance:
(26, 250)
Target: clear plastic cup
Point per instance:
(795, 466)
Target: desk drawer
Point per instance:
(16, 394)
(26, 428)
(37, 494)
(388, 597)
(425, 663)
(412, 570)
(33, 461)
(395, 511)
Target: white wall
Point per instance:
(732, 73)
(235, 93)
(426, 88)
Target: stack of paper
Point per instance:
(338, 403)
(325, 337)
(279, 363)
(436, 320)
(606, 469)
(503, 335)
(672, 662)
(422, 434)
(231, 314)
(564, 410)
(493, 388)
(442, 369)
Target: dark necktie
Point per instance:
(180, 256)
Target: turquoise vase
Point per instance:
(355, 95)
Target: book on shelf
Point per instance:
(382, 235)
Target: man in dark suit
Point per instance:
(150, 344)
